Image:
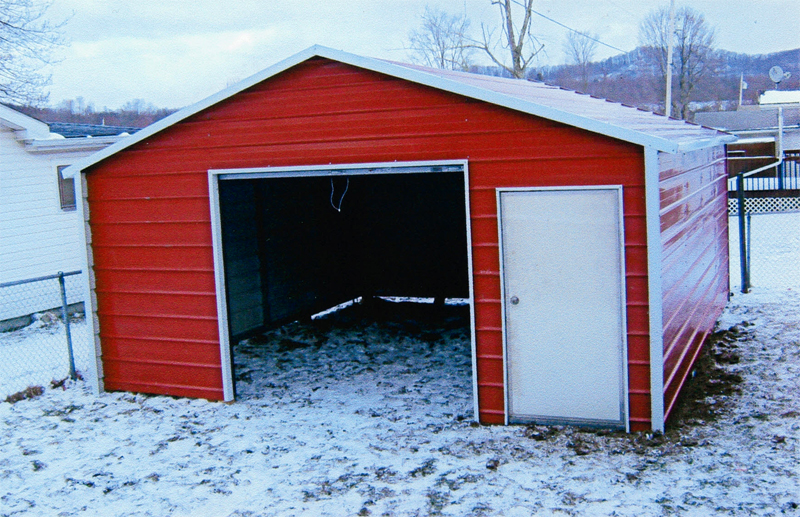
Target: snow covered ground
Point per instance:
(372, 416)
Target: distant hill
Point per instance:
(628, 78)
(625, 78)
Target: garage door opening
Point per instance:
(291, 243)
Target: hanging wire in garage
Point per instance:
(338, 207)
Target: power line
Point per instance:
(578, 32)
(621, 8)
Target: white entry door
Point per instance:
(564, 305)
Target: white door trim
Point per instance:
(624, 395)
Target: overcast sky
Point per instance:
(176, 52)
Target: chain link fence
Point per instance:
(44, 337)
(767, 235)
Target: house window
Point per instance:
(66, 189)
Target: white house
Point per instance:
(39, 226)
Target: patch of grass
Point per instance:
(437, 501)
(28, 393)
(425, 469)
(540, 433)
(582, 444)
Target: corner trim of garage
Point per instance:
(654, 287)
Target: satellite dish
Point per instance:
(776, 74)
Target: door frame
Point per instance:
(332, 170)
(623, 357)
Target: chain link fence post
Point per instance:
(743, 251)
(65, 319)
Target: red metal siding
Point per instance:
(150, 200)
(694, 234)
(154, 279)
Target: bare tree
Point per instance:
(580, 48)
(517, 39)
(27, 41)
(442, 41)
(138, 106)
(693, 51)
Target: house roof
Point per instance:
(748, 119)
(597, 115)
(39, 137)
(73, 130)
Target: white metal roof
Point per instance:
(583, 111)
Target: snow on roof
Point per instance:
(583, 111)
(780, 97)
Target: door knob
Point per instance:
(514, 300)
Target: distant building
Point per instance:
(773, 97)
(39, 226)
(757, 127)
(761, 120)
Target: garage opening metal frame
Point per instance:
(215, 176)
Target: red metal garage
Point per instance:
(589, 237)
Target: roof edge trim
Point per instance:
(94, 143)
(27, 128)
(722, 139)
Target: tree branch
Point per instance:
(27, 42)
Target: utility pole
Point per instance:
(670, 36)
(742, 87)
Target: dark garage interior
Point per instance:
(296, 245)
